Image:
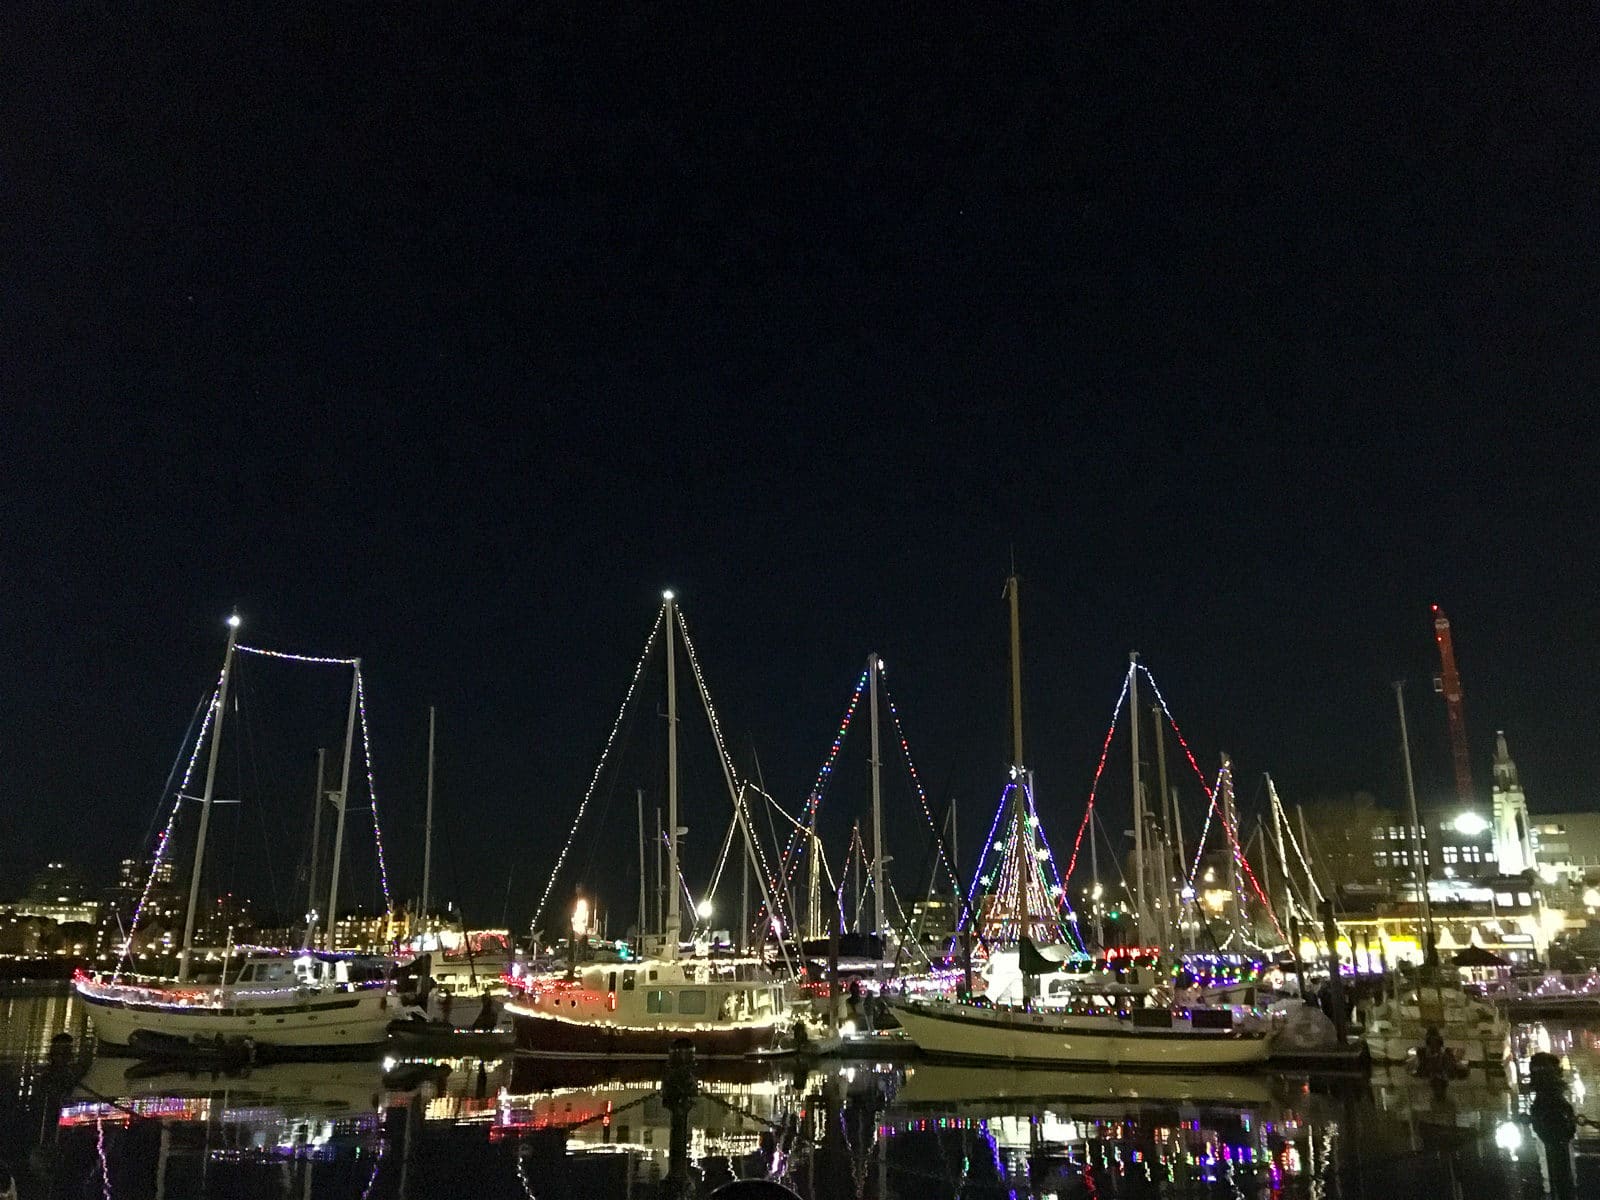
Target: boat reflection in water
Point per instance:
(514, 1126)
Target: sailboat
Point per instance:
(1474, 1032)
(1084, 1019)
(300, 1004)
(726, 1007)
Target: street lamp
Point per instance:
(1471, 824)
(703, 910)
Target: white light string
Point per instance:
(166, 834)
(711, 709)
(372, 791)
(301, 658)
(588, 795)
(366, 744)
(1300, 854)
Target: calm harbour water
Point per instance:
(521, 1128)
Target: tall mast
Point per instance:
(857, 855)
(1021, 841)
(1095, 891)
(955, 857)
(1016, 676)
(317, 799)
(1169, 850)
(674, 917)
(1420, 869)
(874, 665)
(344, 797)
(1139, 899)
(1231, 823)
(205, 800)
(639, 802)
(427, 828)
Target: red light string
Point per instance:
(791, 853)
(1094, 784)
(1233, 840)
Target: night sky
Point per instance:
(450, 338)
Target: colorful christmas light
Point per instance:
(916, 783)
(1233, 840)
(1094, 784)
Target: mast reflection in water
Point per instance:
(72, 1125)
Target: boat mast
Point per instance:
(205, 801)
(674, 916)
(1019, 773)
(1288, 881)
(1161, 852)
(1231, 828)
(344, 796)
(874, 665)
(639, 802)
(427, 828)
(1095, 891)
(1142, 922)
(814, 927)
(1173, 834)
(1420, 870)
(316, 847)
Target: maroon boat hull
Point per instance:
(538, 1034)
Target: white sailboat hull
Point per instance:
(330, 1022)
(1016, 1036)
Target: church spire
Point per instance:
(1505, 771)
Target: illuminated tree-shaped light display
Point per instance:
(1018, 890)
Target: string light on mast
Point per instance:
(372, 791)
(165, 840)
(366, 745)
(1094, 783)
(594, 779)
(1211, 796)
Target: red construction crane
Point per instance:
(1448, 683)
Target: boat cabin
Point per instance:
(656, 992)
(308, 970)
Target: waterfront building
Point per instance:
(57, 894)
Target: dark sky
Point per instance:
(449, 339)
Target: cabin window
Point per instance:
(246, 975)
(657, 1001)
(652, 974)
(611, 982)
(627, 980)
(692, 1003)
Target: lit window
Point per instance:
(1503, 898)
(1524, 899)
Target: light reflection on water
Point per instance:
(518, 1128)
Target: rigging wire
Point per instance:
(165, 841)
(561, 858)
(1094, 783)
